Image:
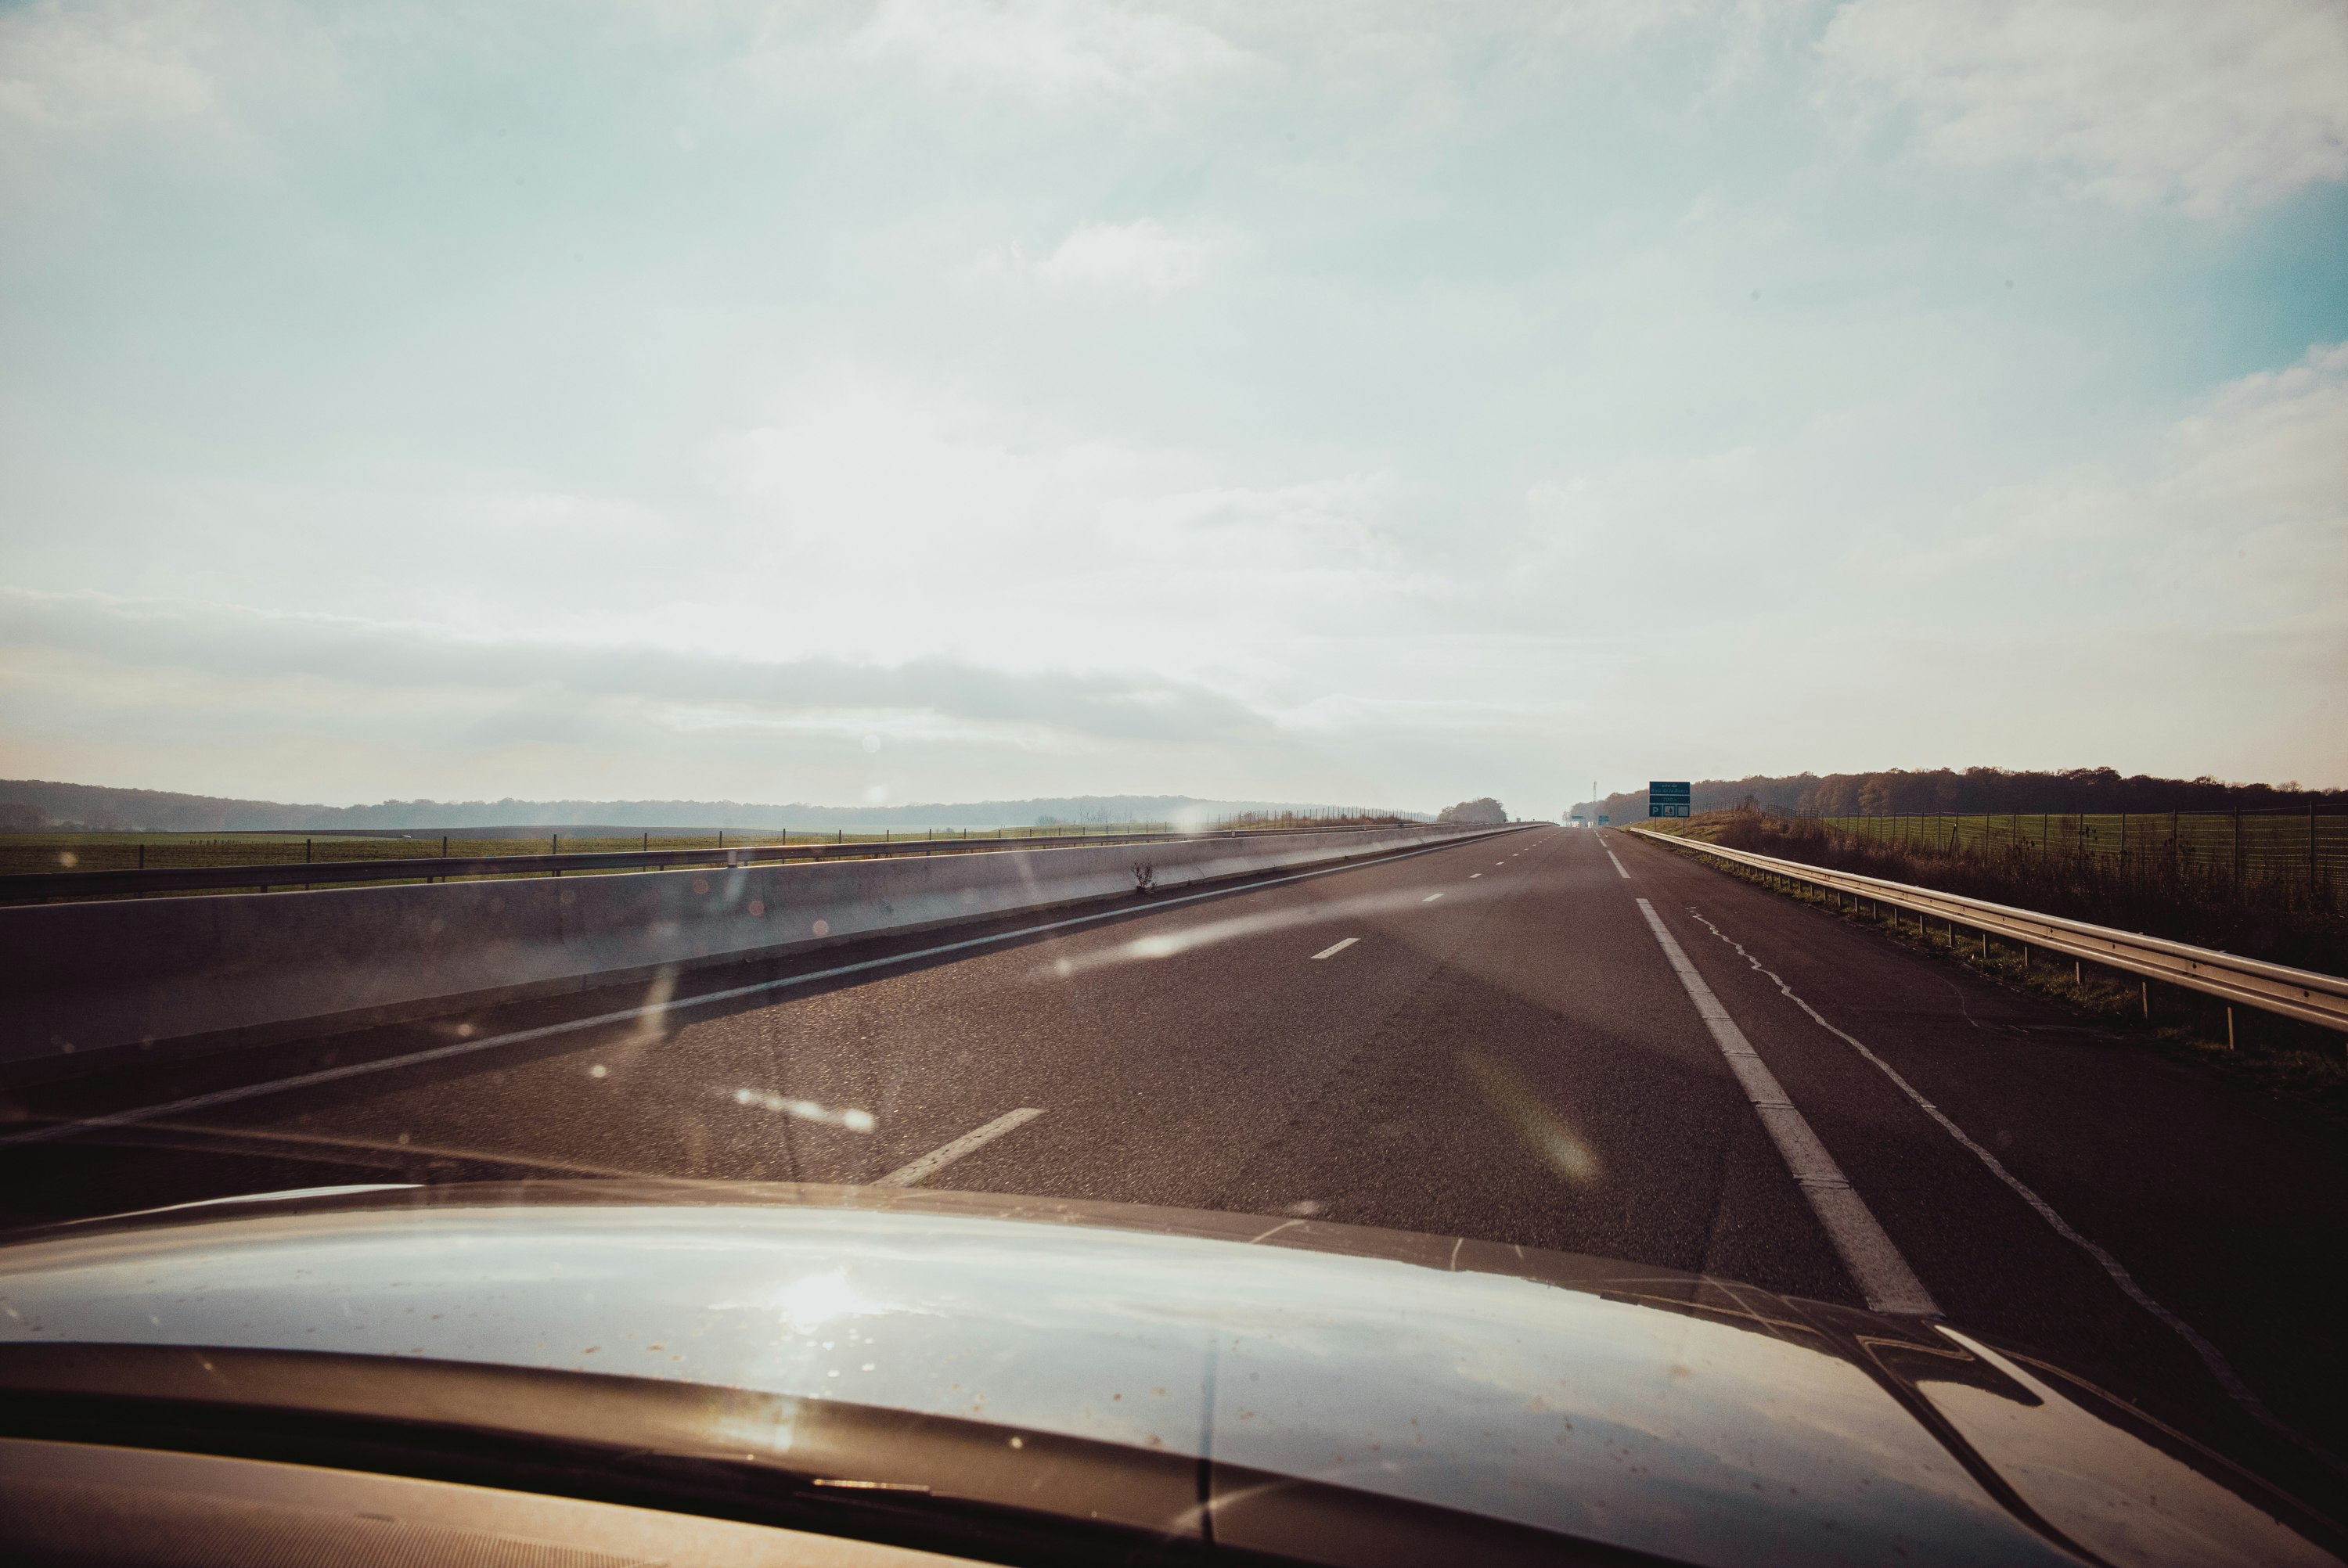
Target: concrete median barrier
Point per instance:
(168, 977)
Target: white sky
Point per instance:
(1384, 404)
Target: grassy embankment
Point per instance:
(2273, 912)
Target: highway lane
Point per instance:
(2223, 1209)
(1502, 1050)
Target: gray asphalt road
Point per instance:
(1501, 1048)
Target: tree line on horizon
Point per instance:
(1902, 792)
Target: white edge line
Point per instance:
(461, 1048)
(2211, 1356)
(1882, 1276)
(1336, 947)
(945, 1154)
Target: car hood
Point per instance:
(1689, 1418)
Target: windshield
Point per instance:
(1701, 637)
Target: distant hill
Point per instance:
(1901, 790)
(30, 804)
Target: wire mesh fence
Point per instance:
(35, 852)
(39, 869)
(2291, 860)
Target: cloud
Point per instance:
(2238, 512)
(1141, 257)
(227, 649)
(1018, 535)
(94, 93)
(2211, 107)
(1041, 49)
(79, 69)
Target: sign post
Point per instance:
(1667, 798)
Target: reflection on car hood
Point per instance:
(1673, 1414)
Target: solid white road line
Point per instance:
(650, 1009)
(2211, 1356)
(1430, 898)
(1336, 947)
(1882, 1276)
(1618, 866)
(945, 1154)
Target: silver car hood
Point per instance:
(1688, 1417)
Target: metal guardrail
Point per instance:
(48, 887)
(2302, 994)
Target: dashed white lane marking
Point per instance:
(1882, 1276)
(1618, 866)
(2211, 1356)
(1333, 949)
(137, 1114)
(1430, 898)
(970, 1143)
(1473, 875)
